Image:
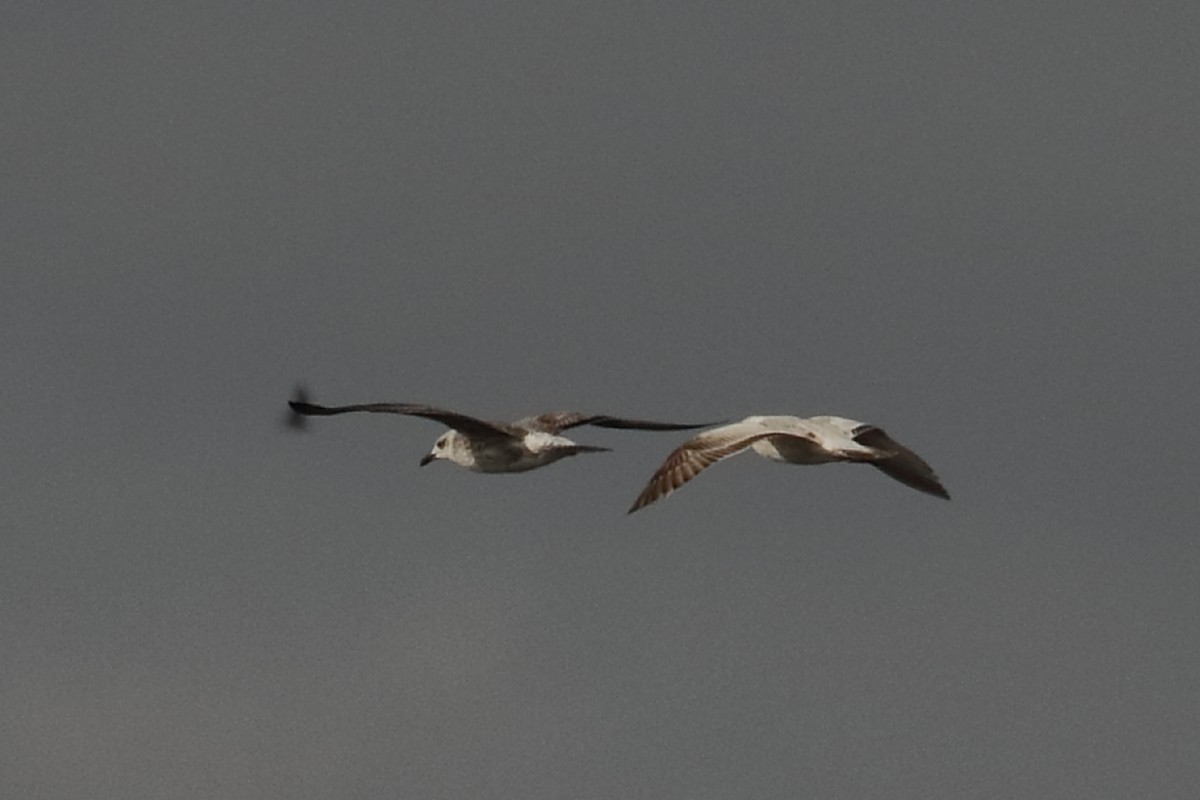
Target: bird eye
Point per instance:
(440, 444)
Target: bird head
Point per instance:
(441, 449)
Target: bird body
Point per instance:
(520, 453)
(792, 440)
(802, 441)
(495, 447)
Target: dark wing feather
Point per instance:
(451, 419)
(296, 420)
(905, 465)
(621, 423)
(556, 421)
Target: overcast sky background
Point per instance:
(972, 224)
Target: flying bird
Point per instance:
(483, 446)
(792, 440)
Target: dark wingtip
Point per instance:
(302, 409)
(642, 501)
(295, 420)
(932, 487)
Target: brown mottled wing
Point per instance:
(905, 465)
(556, 421)
(694, 456)
(452, 419)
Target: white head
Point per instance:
(441, 449)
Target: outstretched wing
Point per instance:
(698, 454)
(904, 465)
(556, 421)
(452, 419)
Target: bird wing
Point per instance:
(701, 452)
(556, 421)
(452, 419)
(903, 465)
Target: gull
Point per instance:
(483, 446)
(792, 440)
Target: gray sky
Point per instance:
(973, 224)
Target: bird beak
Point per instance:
(428, 457)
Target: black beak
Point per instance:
(426, 459)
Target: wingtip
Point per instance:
(295, 420)
(934, 489)
(302, 409)
(644, 499)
